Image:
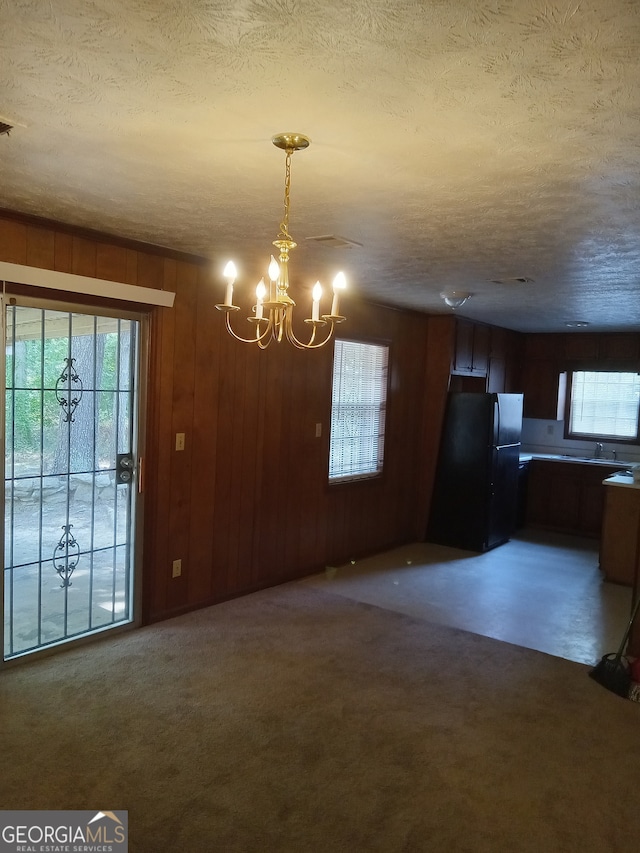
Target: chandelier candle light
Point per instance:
(273, 311)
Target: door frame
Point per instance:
(140, 407)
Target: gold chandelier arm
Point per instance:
(258, 339)
(311, 344)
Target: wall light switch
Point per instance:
(179, 441)
(318, 430)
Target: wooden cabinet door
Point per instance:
(472, 348)
(581, 346)
(620, 346)
(620, 533)
(567, 496)
(513, 376)
(481, 344)
(592, 508)
(540, 383)
(464, 346)
(513, 363)
(592, 498)
(553, 497)
(496, 380)
(564, 497)
(538, 493)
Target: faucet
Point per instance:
(600, 451)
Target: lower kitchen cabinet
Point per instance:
(567, 496)
(620, 533)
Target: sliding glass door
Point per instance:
(71, 474)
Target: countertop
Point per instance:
(582, 460)
(625, 480)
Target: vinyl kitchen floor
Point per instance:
(541, 590)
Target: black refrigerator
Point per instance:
(475, 496)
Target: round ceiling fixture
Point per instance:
(455, 298)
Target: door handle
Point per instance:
(125, 466)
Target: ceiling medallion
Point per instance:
(272, 314)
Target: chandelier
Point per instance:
(272, 314)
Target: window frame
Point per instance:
(369, 477)
(581, 436)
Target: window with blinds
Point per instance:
(358, 408)
(604, 405)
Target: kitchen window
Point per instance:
(603, 405)
(358, 410)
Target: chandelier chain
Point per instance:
(284, 225)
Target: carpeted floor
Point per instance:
(296, 720)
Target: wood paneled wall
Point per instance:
(247, 503)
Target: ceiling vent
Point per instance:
(5, 128)
(332, 241)
(520, 279)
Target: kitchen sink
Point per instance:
(596, 460)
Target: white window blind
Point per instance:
(358, 409)
(605, 404)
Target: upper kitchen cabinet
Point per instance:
(504, 362)
(620, 347)
(617, 350)
(548, 357)
(542, 377)
(471, 355)
(581, 347)
(485, 358)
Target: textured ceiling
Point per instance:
(458, 141)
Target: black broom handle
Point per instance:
(620, 651)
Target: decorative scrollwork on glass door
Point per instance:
(66, 555)
(69, 382)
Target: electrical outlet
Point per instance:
(318, 430)
(549, 429)
(179, 441)
(176, 571)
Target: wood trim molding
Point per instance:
(71, 283)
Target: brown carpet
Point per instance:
(295, 720)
